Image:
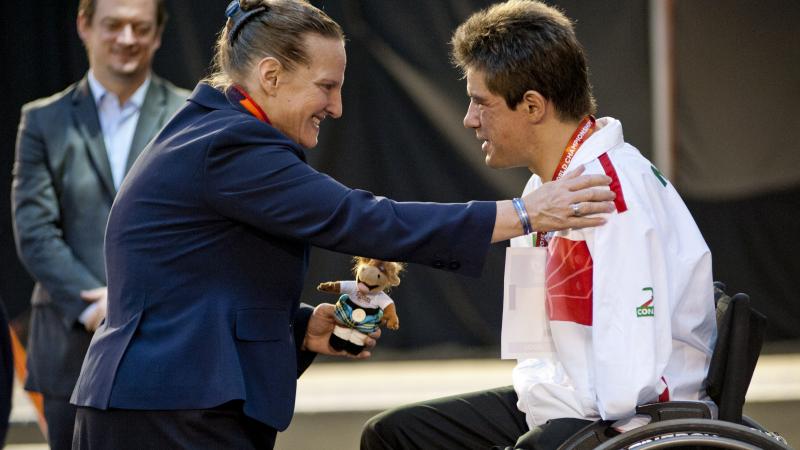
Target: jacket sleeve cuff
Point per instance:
(300, 325)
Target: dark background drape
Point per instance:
(401, 135)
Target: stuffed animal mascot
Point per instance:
(364, 304)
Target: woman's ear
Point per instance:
(269, 71)
(535, 105)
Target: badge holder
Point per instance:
(526, 329)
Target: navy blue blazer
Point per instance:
(206, 250)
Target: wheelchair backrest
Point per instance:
(740, 335)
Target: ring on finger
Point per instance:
(576, 209)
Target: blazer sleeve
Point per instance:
(37, 219)
(299, 326)
(266, 184)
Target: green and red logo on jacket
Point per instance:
(646, 309)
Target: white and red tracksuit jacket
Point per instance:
(630, 303)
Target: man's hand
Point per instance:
(99, 298)
(320, 328)
(567, 202)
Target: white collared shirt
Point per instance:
(118, 123)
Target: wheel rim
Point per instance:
(668, 433)
(705, 441)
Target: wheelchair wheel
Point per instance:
(695, 432)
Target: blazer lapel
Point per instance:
(84, 114)
(151, 118)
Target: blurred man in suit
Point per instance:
(73, 150)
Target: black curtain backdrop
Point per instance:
(400, 136)
(754, 247)
(738, 86)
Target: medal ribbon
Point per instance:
(577, 139)
(238, 94)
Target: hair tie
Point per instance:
(239, 17)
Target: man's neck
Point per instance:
(121, 86)
(552, 138)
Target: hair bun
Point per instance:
(232, 9)
(235, 6)
(247, 5)
(239, 12)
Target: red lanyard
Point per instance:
(249, 104)
(577, 139)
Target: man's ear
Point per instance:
(157, 42)
(84, 27)
(535, 106)
(269, 71)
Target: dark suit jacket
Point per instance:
(207, 247)
(62, 194)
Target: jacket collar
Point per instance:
(151, 117)
(85, 118)
(209, 97)
(99, 91)
(607, 135)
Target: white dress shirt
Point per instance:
(118, 123)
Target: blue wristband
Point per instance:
(523, 215)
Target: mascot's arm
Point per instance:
(390, 317)
(332, 287)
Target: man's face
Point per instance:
(502, 130)
(309, 94)
(121, 38)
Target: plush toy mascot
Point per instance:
(364, 304)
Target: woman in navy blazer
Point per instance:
(207, 245)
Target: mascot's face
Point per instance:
(374, 275)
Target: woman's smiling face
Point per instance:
(307, 95)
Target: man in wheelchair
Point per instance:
(630, 304)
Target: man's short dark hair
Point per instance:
(523, 45)
(87, 8)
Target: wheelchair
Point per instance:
(740, 334)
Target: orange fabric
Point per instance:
(22, 373)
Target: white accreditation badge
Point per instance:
(526, 330)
